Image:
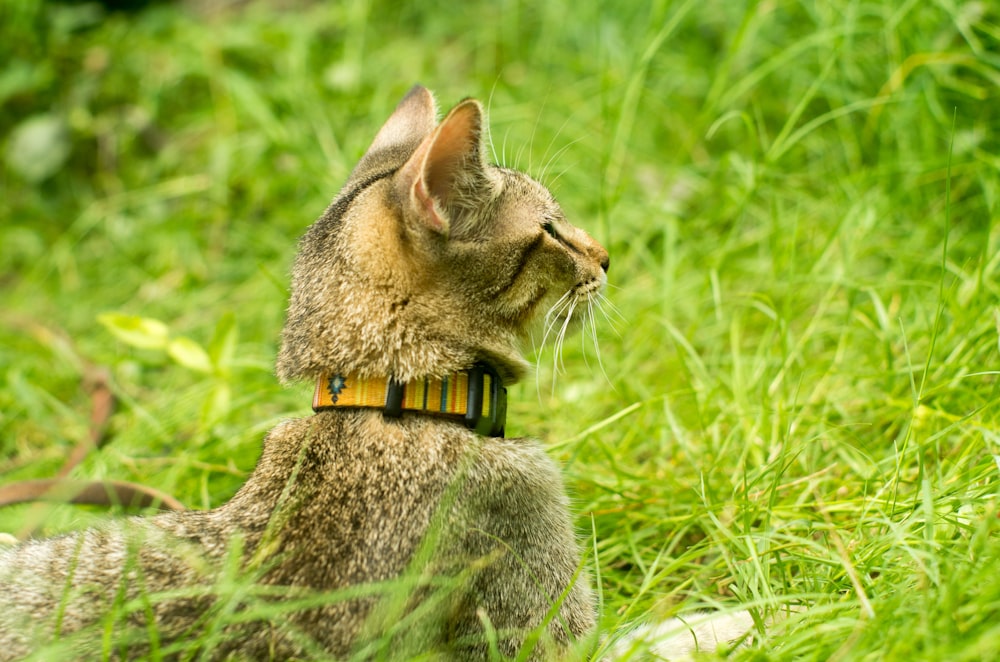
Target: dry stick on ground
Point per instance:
(97, 382)
(90, 492)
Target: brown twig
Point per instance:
(97, 381)
(87, 492)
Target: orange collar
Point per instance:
(475, 397)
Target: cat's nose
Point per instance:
(602, 257)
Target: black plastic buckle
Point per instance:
(492, 425)
(393, 399)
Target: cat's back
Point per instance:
(375, 501)
(377, 484)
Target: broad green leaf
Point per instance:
(189, 354)
(216, 405)
(141, 332)
(222, 347)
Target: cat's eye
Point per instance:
(550, 229)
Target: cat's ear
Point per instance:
(446, 167)
(410, 123)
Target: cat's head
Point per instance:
(431, 259)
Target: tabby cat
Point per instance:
(397, 520)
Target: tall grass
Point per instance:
(798, 404)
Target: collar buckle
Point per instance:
(493, 424)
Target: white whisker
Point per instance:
(551, 184)
(559, 366)
(549, 157)
(557, 337)
(548, 325)
(503, 149)
(592, 318)
(534, 130)
(552, 316)
(558, 321)
(554, 156)
(611, 305)
(489, 107)
(615, 317)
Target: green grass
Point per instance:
(800, 404)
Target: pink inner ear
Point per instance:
(451, 150)
(428, 210)
(433, 171)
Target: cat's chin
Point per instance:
(512, 367)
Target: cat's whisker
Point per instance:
(550, 321)
(557, 347)
(604, 304)
(503, 149)
(536, 350)
(548, 157)
(612, 322)
(589, 325)
(555, 180)
(534, 345)
(534, 129)
(592, 318)
(489, 107)
(563, 332)
(552, 316)
(583, 334)
(611, 304)
(555, 155)
(611, 286)
(588, 330)
(559, 301)
(601, 303)
(561, 337)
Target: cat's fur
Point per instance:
(437, 539)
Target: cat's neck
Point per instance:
(366, 330)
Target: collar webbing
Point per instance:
(476, 397)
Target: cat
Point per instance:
(397, 520)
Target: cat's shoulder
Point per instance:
(519, 461)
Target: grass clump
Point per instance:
(798, 404)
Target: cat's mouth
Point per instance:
(552, 314)
(576, 306)
(592, 287)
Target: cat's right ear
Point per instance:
(447, 165)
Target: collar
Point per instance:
(475, 397)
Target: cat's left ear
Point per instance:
(411, 122)
(446, 169)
